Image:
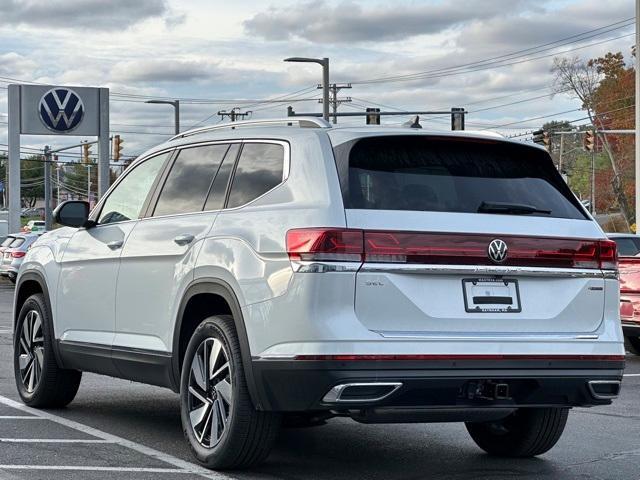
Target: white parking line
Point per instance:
(51, 440)
(92, 469)
(631, 375)
(5, 331)
(20, 417)
(182, 465)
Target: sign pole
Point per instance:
(637, 188)
(103, 144)
(13, 165)
(47, 187)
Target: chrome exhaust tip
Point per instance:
(361, 392)
(604, 389)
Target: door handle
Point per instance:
(115, 245)
(184, 239)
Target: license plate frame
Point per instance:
(504, 295)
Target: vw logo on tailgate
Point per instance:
(61, 109)
(497, 250)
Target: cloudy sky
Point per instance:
(213, 55)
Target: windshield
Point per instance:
(441, 174)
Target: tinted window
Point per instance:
(7, 241)
(627, 247)
(126, 200)
(259, 170)
(219, 188)
(187, 185)
(18, 241)
(452, 175)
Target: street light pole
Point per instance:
(176, 111)
(325, 79)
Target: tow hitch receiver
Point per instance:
(487, 390)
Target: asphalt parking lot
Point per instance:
(124, 430)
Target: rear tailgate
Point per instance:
(427, 265)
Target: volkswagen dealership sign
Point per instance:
(51, 110)
(61, 109)
(54, 110)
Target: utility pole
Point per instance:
(89, 183)
(593, 182)
(561, 152)
(234, 114)
(637, 114)
(334, 88)
(47, 187)
(57, 182)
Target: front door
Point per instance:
(85, 306)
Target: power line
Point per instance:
(453, 70)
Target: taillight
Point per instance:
(608, 254)
(18, 254)
(322, 244)
(330, 244)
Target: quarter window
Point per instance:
(259, 169)
(126, 200)
(187, 185)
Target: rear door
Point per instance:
(470, 237)
(157, 260)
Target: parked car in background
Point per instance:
(6, 242)
(14, 254)
(34, 226)
(629, 266)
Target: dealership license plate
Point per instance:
(491, 295)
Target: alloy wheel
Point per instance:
(210, 392)
(31, 350)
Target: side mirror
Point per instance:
(72, 213)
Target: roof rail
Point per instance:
(301, 122)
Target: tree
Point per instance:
(32, 180)
(600, 84)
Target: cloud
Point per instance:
(350, 22)
(82, 14)
(169, 70)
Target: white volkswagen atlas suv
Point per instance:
(288, 271)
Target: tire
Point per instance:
(41, 382)
(634, 344)
(221, 403)
(525, 433)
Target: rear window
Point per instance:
(17, 242)
(451, 175)
(627, 247)
(7, 241)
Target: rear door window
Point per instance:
(260, 168)
(440, 174)
(17, 242)
(187, 185)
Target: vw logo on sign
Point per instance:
(497, 250)
(61, 109)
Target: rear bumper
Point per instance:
(631, 329)
(432, 385)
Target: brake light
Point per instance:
(332, 244)
(322, 244)
(608, 255)
(18, 254)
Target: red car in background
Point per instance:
(629, 265)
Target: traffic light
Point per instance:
(373, 116)
(117, 147)
(541, 137)
(86, 152)
(589, 140)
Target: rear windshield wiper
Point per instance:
(510, 208)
